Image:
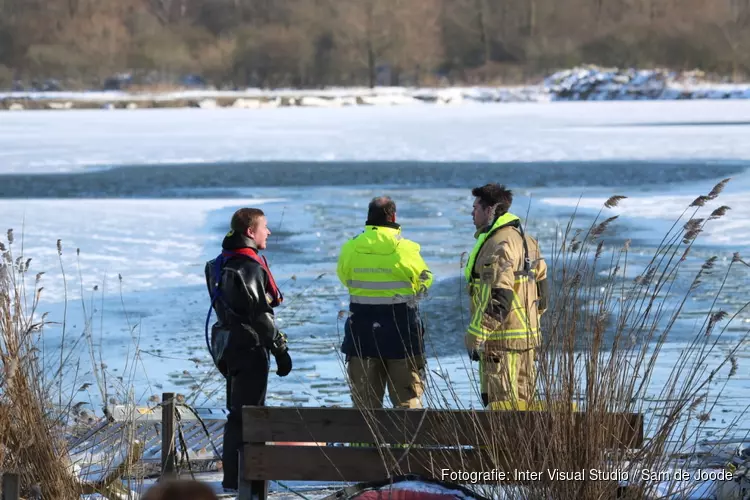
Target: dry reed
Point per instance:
(604, 336)
(39, 414)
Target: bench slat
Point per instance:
(398, 425)
(310, 463)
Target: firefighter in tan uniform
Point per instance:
(508, 289)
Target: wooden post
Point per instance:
(167, 435)
(11, 486)
(250, 490)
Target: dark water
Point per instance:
(220, 180)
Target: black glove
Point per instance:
(283, 363)
(473, 355)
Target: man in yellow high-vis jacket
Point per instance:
(383, 340)
(508, 288)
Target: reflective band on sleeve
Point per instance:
(398, 299)
(481, 305)
(378, 285)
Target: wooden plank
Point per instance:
(435, 427)
(330, 463)
(480, 466)
(167, 434)
(128, 413)
(11, 486)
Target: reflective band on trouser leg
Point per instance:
(526, 375)
(513, 373)
(482, 387)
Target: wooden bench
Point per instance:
(436, 440)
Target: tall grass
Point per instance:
(40, 407)
(603, 352)
(31, 429)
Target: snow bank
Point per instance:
(593, 83)
(259, 98)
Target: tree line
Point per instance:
(312, 43)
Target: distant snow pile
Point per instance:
(592, 83)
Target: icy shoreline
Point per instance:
(577, 84)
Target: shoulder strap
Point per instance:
(215, 294)
(526, 259)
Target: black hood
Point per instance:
(234, 240)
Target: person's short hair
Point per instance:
(496, 195)
(381, 210)
(246, 218)
(180, 489)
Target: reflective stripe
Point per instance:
(513, 376)
(518, 279)
(481, 306)
(482, 376)
(511, 334)
(481, 295)
(397, 299)
(483, 333)
(534, 405)
(517, 405)
(378, 285)
(520, 311)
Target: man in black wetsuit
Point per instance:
(243, 294)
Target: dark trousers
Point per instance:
(247, 380)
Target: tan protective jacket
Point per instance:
(507, 290)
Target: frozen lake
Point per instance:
(147, 195)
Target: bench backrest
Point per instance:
(443, 439)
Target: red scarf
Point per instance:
(273, 294)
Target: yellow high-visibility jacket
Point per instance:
(386, 276)
(379, 266)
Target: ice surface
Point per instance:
(732, 230)
(48, 141)
(151, 243)
(159, 246)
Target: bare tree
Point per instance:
(365, 33)
(418, 35)
(736, 33)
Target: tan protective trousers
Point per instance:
(507, 377)
(369, 377)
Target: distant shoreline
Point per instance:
(577, 84)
